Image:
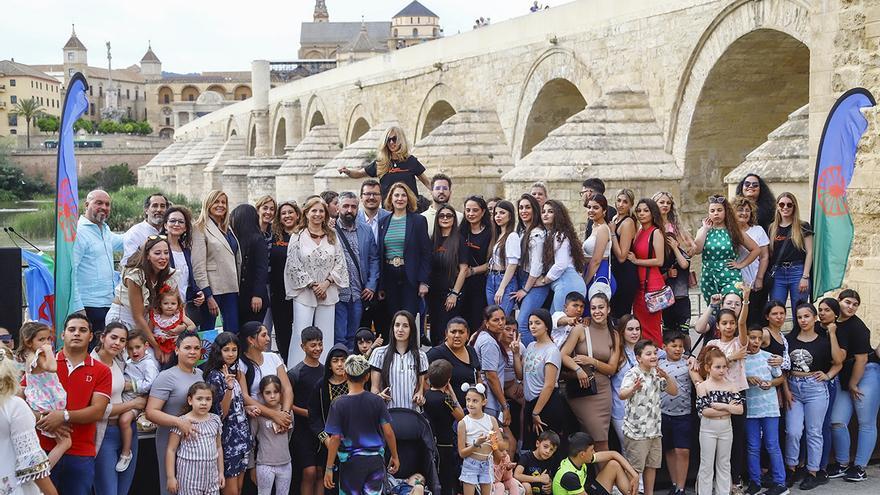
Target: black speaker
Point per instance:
(11, 307)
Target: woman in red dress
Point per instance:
(647, 254)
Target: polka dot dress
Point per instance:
(717, 278)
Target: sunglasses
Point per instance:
(446, 216)
(5, 338)
(750, 184)
(717, 200)
(784, 204)
(157, 237)
(392, 140)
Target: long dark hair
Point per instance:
(245, 223)
(215, 360)
(450, 245)
(502, 234)
(485, 221)
(185, 239)
(562, 229)
(140, 260)
(766, 200)
(526, 230)
(488, 311)
(796, 328)
(412, 346)
(656, 217)
(248, 330)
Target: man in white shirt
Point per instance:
(154, 214)
(441, 192)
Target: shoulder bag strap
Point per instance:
(351, 253)
(650, 255)
(589, 340)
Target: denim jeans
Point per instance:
(785, 285)
(766, 429)
(533, 300)
(74, 474)
(569, 281)
(107, 480)
(866, 413)
(228, 304)
(808, 406)
(833, 386)
(348, 320)
(493, 281)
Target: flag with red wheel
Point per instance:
(832, 225)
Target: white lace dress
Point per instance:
(310, 261)
(18, 440)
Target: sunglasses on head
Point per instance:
(392, 140)
(717, 200)
(157, 238)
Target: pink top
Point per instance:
(736, 372)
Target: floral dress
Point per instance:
(44, 392)
(717, 278)
(236, 434)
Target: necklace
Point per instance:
(316, 236)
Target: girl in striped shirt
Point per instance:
(192, 462)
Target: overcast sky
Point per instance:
(199, 35)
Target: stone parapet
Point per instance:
(295, 177)
(261, 177)
(356, 155)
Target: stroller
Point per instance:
(415, 448)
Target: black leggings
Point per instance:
(553, 415)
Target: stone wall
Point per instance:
(44, 164)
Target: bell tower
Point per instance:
(321, 14)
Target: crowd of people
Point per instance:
(544, 361)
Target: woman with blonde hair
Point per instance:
(393, 164)
(623, 232)
(315, 271)
(791, 252)
(216, 259)
(671, 222)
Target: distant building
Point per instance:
(19, 82)
(414, 24)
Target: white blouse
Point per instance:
(561, 259)
(512, 252)
(536, 253)
(309, 263)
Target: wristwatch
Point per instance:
(66, 416)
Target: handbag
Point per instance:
(601, 284)
(573, 387)
(657, 300)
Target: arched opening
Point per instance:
(317, 119)
(189, 93)
(313, 54)
(558, 100)
(772, 74)
(233, 133)
(220, 90)
(166, 95)
(438, 113)
(242, 92)
(166, 133)
(280, 138)
(252, 141)
(360, 127)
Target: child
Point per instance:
(571, 315)
(222, 373)
(366, 341)
(43, 390)
(304, 378)
(571, 478)
(414, 485)
(717, 399)
(331, 387)
(193, 463)
(503, 472)
(442, 410)
(762, 416)
(535, 469)
(475, 447)
(676, 411)
(642, 432)
(140, 371)
(362, 419)
(273, 454)
(168, 319)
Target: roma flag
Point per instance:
(832, 224)
(67, 200)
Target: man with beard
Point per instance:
(154, 215)
(441, 192)
(362, 259)
(590, 188)
(93, 252)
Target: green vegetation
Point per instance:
(110, 179)
(48, 123)
(83, 124)
(30, 109)
(127, 210)
(14, 184)
(127, 126)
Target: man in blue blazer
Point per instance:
(362, 258)
(370, 214)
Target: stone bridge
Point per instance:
(680, 95)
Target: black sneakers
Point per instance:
(753, 488)
(777, 490)
(835, 470)
(822, 477)
(794, 476)
(809, 482)
(855, 473)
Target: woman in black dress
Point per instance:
(253, 298)
(393, 164)
(477, 236)
(444, 271)
(286, 218)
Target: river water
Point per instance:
(8, 211)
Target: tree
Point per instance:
(29, 109)
(86, 125)
(48, 123)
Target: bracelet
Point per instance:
(805, 278)
(453, 293)
(536, 415)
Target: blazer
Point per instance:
(416, 249)
(368, 254)
(362, 218)
(254, 269)
(191, 289)
(215, 268)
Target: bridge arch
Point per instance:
(439, 104)
(714, 124)
(557, 86)
(316, 114)
(280, 141)
(358, 124)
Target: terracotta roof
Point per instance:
(341, 33)
(10, 68)
(415, 9)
